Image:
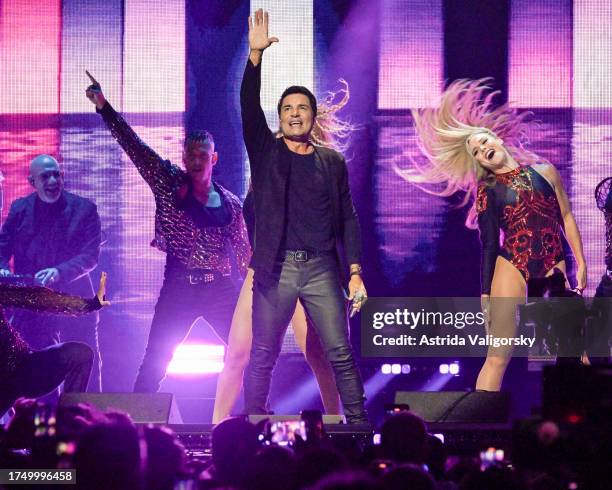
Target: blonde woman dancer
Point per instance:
(473, 147)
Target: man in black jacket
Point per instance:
(303, 214)
(54, 236)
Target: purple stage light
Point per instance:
(411, 66)
(299, 397)
(154, 56)
(453, 368)
(444, 369)
(374, 385)
(197, 359)
(540, 53)
(395, 369)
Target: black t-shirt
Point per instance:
(205, 216)
(309, 214)
(47, 234)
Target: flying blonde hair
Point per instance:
(466, 108)
(329, 130)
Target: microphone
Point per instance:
(358, 298)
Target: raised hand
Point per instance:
(258, 31)
(94, 92)
(357, 294)
(101, 294)
(47, 276)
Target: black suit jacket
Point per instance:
(269, 174)
(74, 251)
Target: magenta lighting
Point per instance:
(193, 359)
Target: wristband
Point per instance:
(95, 304)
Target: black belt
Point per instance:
(303, 255)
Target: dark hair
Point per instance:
(199, 136)
(403, 438)
(298, 89)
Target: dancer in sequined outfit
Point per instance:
(476, 148)
(34, 373)
(199, 225)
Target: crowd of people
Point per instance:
(110, 452)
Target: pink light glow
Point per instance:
(17, 154)
(411, 54)
(29, 56)
(197, 359)
(154, 56)
(91, 40)
(540, 53)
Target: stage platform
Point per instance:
(460, 439)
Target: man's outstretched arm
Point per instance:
(255, 129)
(149, 164)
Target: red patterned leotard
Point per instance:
(523, 205)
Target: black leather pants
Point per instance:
(316, 283)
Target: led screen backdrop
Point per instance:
(171, 65)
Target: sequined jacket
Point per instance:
(12, 346)
(176, 233)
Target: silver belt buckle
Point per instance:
(204, 278)
(301, 256)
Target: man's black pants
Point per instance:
(181, 302)
(42, 330)
(317, 284)
(42, 371)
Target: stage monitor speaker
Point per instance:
(144, 408)
(457, 406)
(327, 419)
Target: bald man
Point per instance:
(54, 236)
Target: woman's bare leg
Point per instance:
(308, 341)
(507, 292)
(237, 353)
